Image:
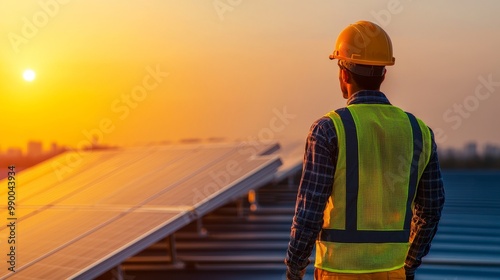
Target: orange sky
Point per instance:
(135, 72)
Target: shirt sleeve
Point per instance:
(314, 190)
(428, 204)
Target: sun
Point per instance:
(29, 75)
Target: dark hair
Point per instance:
(367, 82)
(364, 82)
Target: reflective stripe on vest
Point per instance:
(342, 224)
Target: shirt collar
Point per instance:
(368, 97)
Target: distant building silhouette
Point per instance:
(35, 149)
(14, 152)
(470, 150)
(35, 154)
(56, 149)
(470, 158)
(491, 150)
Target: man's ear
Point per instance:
(345, 76)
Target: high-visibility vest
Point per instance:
(382, 153)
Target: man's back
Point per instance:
(369, 212)
(371, 191)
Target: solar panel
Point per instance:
(291, 154)
(111, 204)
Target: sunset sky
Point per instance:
(139, 72)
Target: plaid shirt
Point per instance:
(316, 187)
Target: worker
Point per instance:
(371, 192)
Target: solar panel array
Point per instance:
(82, 213)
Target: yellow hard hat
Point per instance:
(364, 43)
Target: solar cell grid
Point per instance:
(112, 204)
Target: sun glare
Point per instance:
(29, 75)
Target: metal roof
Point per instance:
(112, 204)
(252, 244)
